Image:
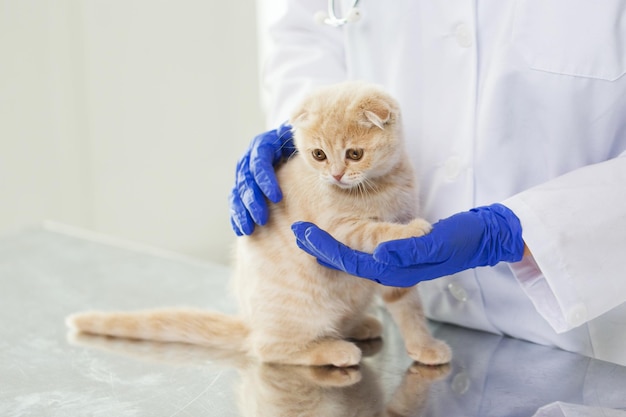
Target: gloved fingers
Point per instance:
(362, 265)
(262, 159)
(240, 219)
(368, 267)
(302, 231)
(250, 194)
(284, 132)
(236, 227)
(285, 137)
(320, 244)
(334, 254)
(266, 150)
(325, 264)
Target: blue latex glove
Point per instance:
(479, 237)
(255, 179)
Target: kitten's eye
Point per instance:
(319, 154)
(354, 154)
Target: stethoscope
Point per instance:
(330, 18)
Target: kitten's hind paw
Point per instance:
(339, 353)
(328, 376)
(429, 372)
(325, 352)
(348, 355)
(434, 353)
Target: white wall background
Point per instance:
(126, 117)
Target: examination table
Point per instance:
(51, 271)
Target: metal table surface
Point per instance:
(47, 273)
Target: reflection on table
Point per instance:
(47, 274)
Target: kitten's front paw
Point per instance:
(419, 227)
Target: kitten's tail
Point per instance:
(197, 327)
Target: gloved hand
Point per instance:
(255, 179)
(479, 237)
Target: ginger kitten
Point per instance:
(351, 176)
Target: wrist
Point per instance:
(512, 235)
(504, 229)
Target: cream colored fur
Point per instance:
(350, 176)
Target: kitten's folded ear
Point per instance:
(299, 117)
(377, 113)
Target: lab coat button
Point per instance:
(457, 292)
(577, 315)
(464, 36)
(452, 168)
(460, 383)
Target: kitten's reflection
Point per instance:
(290, 391)
(279, 390)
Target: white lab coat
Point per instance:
(515, 101)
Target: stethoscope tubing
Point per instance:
(333, 19)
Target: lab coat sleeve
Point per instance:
(561, 409)
(575, 228)
(301, 54)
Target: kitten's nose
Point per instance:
(338, 177)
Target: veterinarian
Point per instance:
(514, 113)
